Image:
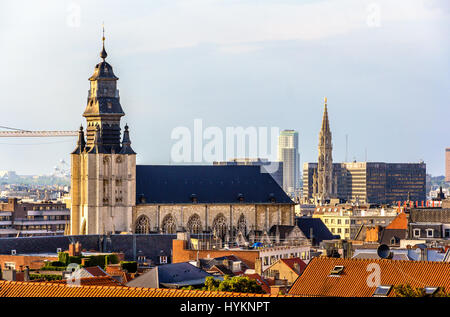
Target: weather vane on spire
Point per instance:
(103, 53)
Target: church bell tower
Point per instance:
(103, 168)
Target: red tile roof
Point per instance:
(96, 271)
(96, 280)
(30, 289)
(265, 285)
(291, 262)
(399, 222)
(353, 281)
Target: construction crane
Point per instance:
(13, 132)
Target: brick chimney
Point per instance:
(258, 266)
(77, 248)
(71, 249)
(278, 289)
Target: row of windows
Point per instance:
(272, 259)
(429, 233)
(353, 221)
(339, 230)
(64, 217)
(41, 227)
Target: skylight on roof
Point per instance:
(382, 290)
(430, 290)
(337, 270)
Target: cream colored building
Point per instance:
(346, 221)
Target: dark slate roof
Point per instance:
(103, 70)
(319, 230)
(207, 264)
(149, 245)
(178, 272)
(283, 230)
(171, 275)
(388, 234)
(103, 105)
(207, 184)
(222, 269)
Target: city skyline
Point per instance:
(270, 76)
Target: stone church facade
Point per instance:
(202, 218)
(111, 194)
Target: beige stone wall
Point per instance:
(255, 215)
(104, 191)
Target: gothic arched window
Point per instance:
(194, 224)
(169, 224)
(220, 226)
(142, 225)
(242, 225)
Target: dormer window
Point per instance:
(194, 198)
(142, 199)
(240, 197)
(272, 198)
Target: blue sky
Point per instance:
(384, 66)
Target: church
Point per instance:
(111, 194)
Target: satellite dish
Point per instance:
(384, 252)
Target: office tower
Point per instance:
(372, 182)
(288, 154)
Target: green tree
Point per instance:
(63, 257)
(238, 284)
(406, 290)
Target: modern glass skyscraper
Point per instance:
(289, 155)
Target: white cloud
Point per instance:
(191, 22)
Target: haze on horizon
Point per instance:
(383, 65)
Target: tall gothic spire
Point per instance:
(325, 160)
(325, 122)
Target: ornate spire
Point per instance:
(98, 143)
(126, 143)
(325, 122)
(103, 53)
(81, 143)
(325, 160)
